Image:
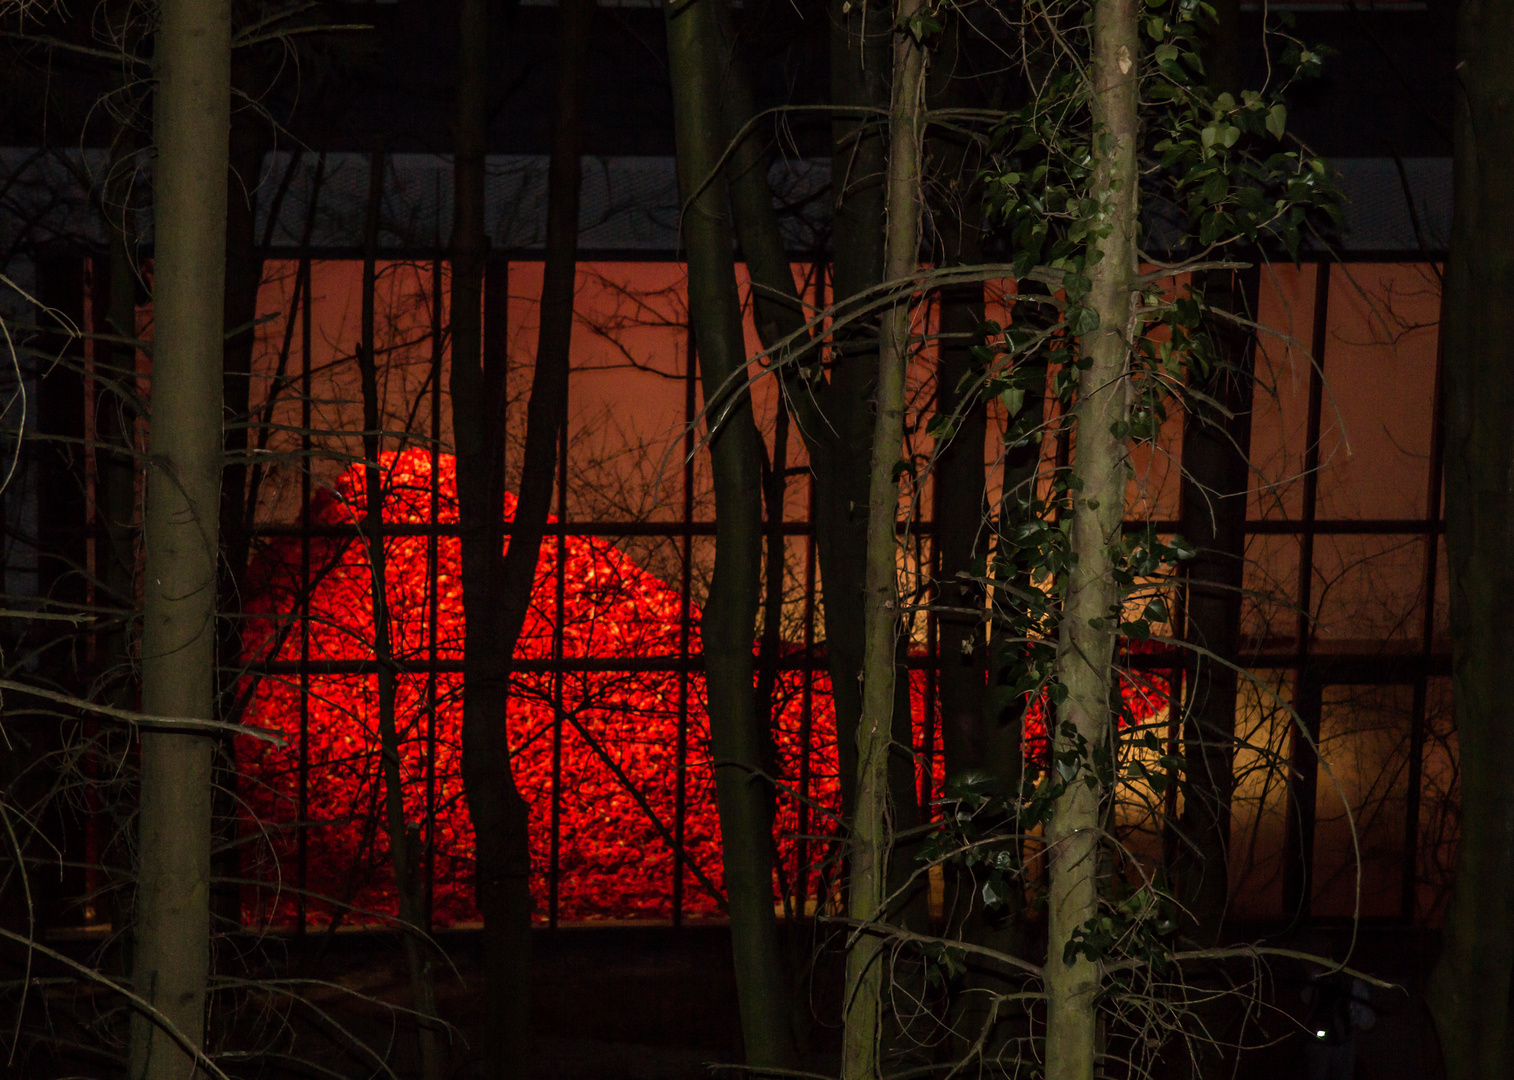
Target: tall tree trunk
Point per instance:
(191, 129)
(832, 414)
(1086, 638)
(960, 539)
(860, 71)
(404, 841)
(1469, 991)
(497, 588)
(498, 812)
(978, 732)
(728, 627)
(1216, 475)
(873, 821)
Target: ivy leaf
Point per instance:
(943, 426)
(1277, 120)
(1082, 320)
(1014, 399)
(1181, 548)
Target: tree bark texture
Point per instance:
(831, 411)
(1469, 990)
(978, 733)
(1090, 614)
(738, 735)
(1216, 476)
(404, 840)
(192, 64)
(961, 538)
(873, 821)
(861, 66)
(497, 587)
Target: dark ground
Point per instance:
(610, 1002)
(654, 1003)
(639, 1002)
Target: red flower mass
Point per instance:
(616, 746)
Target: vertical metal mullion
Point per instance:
(1298, 870)
(559, 629)
(433, 586)
(685, 616)
(302, 812)
(1409, 885)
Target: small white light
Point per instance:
(1319, 1034)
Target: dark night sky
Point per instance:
(1386, 90)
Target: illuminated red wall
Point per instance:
(613, 862)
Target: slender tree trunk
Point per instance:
(1216, 474)
(403, 838)
(498, 812)
(728, 626)
(1469, 991)
(974, 736)
(191, 125)
(1021, 456)
(961, 546)
(872, 824)
(860, 71)
(960, 539)
(777, 309)
(1090, 611)
(497, 588)
(833, 415)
